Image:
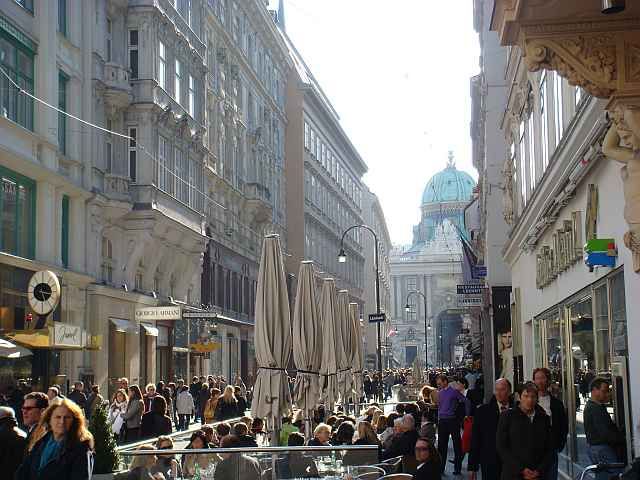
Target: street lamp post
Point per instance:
(426, 329)
(342, 258)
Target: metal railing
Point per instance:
(271, 462)
(175, 436)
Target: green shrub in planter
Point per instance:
(106, 457)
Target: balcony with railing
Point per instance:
(259, 201)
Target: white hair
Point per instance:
(398, 422)
(408, 421)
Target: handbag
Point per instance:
(466, 434)
(117, 424)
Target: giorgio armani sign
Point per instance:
(159, 313)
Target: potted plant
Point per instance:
(106, 459)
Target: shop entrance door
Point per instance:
(620, 399)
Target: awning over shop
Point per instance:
(124, 326)
(56, 336)
(149, 329)
(13, 350)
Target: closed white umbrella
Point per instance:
(271, 396)
(329, 364)
(307, 341)
(344, 346)
(356, 358)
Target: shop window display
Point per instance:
(579, 339)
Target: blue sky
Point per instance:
(397, 72)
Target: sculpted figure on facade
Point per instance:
(507, 191)
(622, 143)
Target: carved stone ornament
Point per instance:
(507, 192)
(622, 144)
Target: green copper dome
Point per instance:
(449, 185)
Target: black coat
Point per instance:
(559, 424)
(404, 444)
(238, 466)
(483, 436)
(153, 425)
(524, 444)
(429, 470)
(225, 411)
(72, 463)
(13, 443)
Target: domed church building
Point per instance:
(431, 265)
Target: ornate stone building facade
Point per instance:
(567, 64)
(188, 168)
(324, 184)
(432, 265)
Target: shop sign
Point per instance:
(65, 335)
(565, 250)
(600, 252)
(159, 313)
(470, 301)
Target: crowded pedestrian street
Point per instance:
(335, 239)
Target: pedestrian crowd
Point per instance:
(516, 435)
(46, 435)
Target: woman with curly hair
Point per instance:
(65, 451)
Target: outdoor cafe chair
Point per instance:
(367, 469)
(398, 476)
(392, 465)
(368, 476)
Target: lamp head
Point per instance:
(342, 257)
(613, 6)
(407, 308)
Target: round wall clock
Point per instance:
(43, 292)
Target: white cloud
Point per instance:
(398, 75)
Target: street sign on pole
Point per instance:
(478, 271)
(471, 289)
(470, 301)
(377, 318)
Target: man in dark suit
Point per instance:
(554, 408)
(524, 439)
(236, 465)
(483, 454)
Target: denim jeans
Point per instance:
(604, 454)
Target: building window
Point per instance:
(26, 4)
(557, 108)
(62, 16)
(17, 214)
(109, 40)
(307, 135)
(522, 151)
(108, 160)
(64, 241)
(62, 118)
(162, 65)
(16, 59)
(107, 261)
(192, 96)
(313, 143)
(133, 53)
(532, 154)
(133, 154)
(178, 81)
(161, 171)
(544, 121)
